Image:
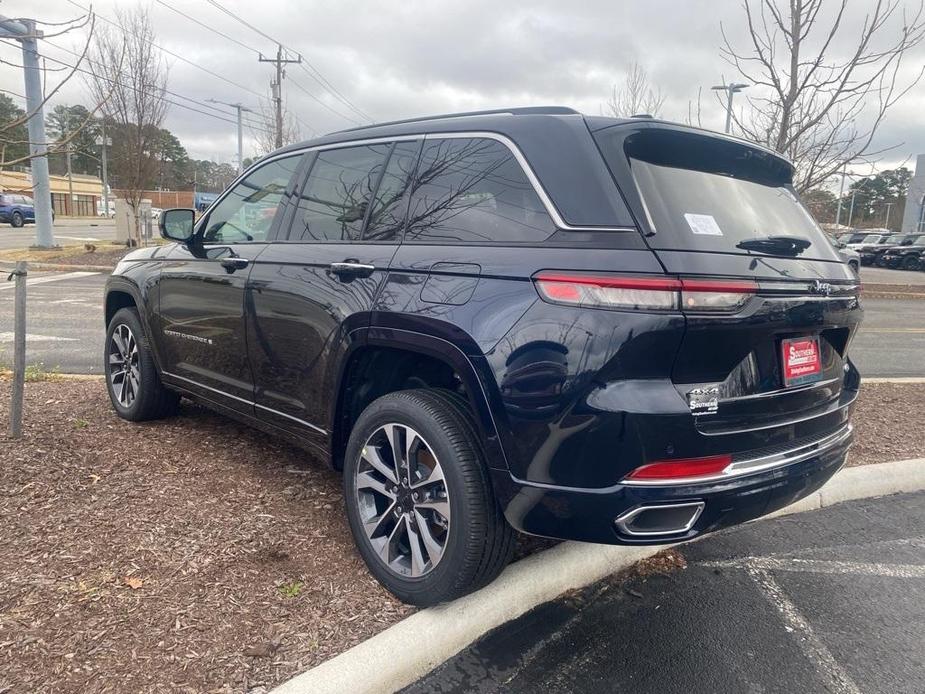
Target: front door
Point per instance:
(311, 290)
(201, 309)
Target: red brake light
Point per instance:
(682, 468)
(652, 293)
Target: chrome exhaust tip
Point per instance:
(659, 519)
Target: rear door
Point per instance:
(201, 334)
(314, 287)
(715, 208)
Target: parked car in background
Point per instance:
(849, 255)
(870, 251)
(16, 209)
(101, 208)
(867, 240)
(902, 257)
(620, 331)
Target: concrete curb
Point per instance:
(892, 379)
(385, 663)
(59, 267)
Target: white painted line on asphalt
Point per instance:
(824, 566)
(79, 238)
(45, 279)
(32, 337)
(795, 622)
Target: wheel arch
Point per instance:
(431, 350)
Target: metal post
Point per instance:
(729, 111)
(19, 348)
(25, 32)
(922, 214)
(851, 209)
(104, 142)
(886, 225)
(240, 109)
(70, 183)
(841, 193)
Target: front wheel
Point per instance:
(419, 501)
(17, 220)
(134, 386)
(910, 262)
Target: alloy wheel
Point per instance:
(403, 500)
(124, 371)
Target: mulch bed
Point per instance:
(194, 554)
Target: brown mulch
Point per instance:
(191, 554)
(103, 255)
(888, 423)
(194, 554)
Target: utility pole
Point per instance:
(731, 90)
(25, 32)
(888, 206)
(277, 88)
(239, 108)
(104, 142)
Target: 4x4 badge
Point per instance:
(703, 400)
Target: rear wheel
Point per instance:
(17, 220)
(419, 500)
(135, 389)
(910, 262)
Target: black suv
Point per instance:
(616, 331)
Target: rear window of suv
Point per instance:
(708, 194)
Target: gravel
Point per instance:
(194, 554)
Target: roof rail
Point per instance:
(520, 111)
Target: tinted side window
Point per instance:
(474, 190)
(336, 195)
(247, 212)
(388, 214)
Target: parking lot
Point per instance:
(825, 601)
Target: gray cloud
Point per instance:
(403, 59)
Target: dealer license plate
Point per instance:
(800, 360)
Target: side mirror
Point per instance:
(177, 224)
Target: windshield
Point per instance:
(708, 194)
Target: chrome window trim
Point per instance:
(749, 466)
(548, 204)
(244, 400)
(628, 516)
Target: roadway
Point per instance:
(68, 232)
(65, 327)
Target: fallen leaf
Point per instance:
(133, 582)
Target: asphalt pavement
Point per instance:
(825, 601)
(65, 327)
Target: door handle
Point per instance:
(352, 268)
(232, 264)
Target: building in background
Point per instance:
(88, 190)
(914, 217)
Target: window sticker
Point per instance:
(703, 224)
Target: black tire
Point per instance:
(855, 267)
(478, 542)
(149, 398)
(17, 220)
(910, 262)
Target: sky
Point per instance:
(393, 60)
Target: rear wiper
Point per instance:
(776, 245)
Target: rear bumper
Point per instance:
(597, 515)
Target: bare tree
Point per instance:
(129, 76)
(264, 129)
(821, 101)
(635, 96)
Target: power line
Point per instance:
(327, 106)
(321, 79)
(9, 91)
(206, 26)
(171, 53)
(160, 98)
(166, 91)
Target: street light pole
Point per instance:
(887, 223)
(104, 142)
(731, 89)
(25, 32)
(240, 108)
(841, 193)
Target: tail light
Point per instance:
(680, 469)
(643, 293)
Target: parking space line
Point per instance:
(824, 566)
(816, 651)
(45, 279)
